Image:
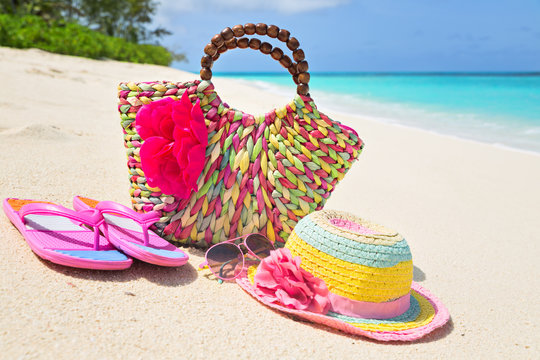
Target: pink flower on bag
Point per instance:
(281, 279)
(174, 148)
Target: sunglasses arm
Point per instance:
(205, 265)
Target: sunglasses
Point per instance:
(226, 259)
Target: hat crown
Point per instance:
(357, 259)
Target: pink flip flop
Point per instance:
(129, 231)
(58, 234)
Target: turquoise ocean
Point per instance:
(502, 109)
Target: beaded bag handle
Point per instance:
(226, 40)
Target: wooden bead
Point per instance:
(210, 49)
(266, 48)
(218, 40)
(238, 30)
(255, 44)
(222, 49)
(272, 31)
(303, 66)
(231, 44)
(276, 54)
(295, 79)
(302, 89)
(249, 28)
(304, 77)
(206, 74)
(298, 55)
(260, 29)
(215, 57)
(283, 35)
(292, 69)
(242, 43)
(285, 61)
(227, 33)
(207, 62)
(293, 43)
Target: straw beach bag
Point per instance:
(214, 172)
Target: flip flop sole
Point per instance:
(152, 255)
(71, 247)
(126, 235)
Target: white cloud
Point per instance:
(281, 6)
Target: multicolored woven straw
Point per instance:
(260, 173)
(368, 271)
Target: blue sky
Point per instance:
(367, 35)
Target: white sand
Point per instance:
(470, 212)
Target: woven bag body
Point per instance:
(261, 173)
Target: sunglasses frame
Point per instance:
(245, 237)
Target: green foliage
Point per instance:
(126, 19)
(121, 18)
(74, 39)
(49, 10)
(91, 28)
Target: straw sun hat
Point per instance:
(349, 274)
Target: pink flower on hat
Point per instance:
(175, 139)
(280, 279)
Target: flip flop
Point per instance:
(58, 234)
(129, 231)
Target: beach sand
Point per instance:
(470, 212)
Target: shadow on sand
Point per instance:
(160, 275)
(418, 274)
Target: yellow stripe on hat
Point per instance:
(353, 281)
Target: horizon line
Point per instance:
(394, 73)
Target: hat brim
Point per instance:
(426, 314)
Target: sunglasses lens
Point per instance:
(259, 245)
(225, 260)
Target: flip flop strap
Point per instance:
(90, 217)
(144, 219)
